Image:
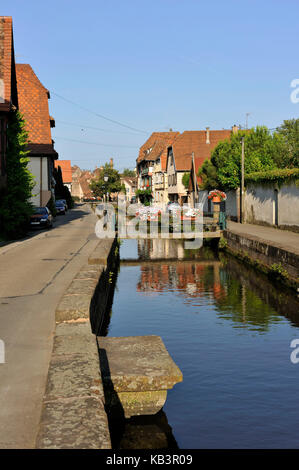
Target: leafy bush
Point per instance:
(186, 179)
(277, 175)
(51, 206)
(144, 195)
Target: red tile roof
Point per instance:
(157, 143)
(66, 169)
(195, 141)
(131, 180)
(33, 104)
(7, 65)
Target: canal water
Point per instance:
(228, 329)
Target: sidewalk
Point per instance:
(281, 239)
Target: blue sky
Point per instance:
(156, 64)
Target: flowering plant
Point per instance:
(217, 193)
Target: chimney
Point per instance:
(111, 162)
(207, 135)
(235, 129)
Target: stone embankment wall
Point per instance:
(264, 254)
(73, 415)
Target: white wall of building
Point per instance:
(38, 166)
(271, 204)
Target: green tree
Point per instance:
(289, 131)
(100, 187)
(262, 152)
(62, 191)
(145, 196)
(186, 179)
(15, 205)
(128, 172)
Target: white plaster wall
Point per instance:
(288, 205)
(260, 204)
(34, 167)
(231, 205)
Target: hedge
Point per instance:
(277, 176)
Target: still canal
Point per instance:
(228, 329)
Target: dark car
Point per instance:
(60, 207)
(63, 201)
(41, 218)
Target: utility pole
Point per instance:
(194, 179)
(242, 181)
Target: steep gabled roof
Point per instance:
(66, 170)
(156, 147)
(8, 92)
(33, 104)
(131, 180)
(196, 142)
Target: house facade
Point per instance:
(187, 155)
(176, 168)
(130, 184)
(8, 89)
(151, 164)
(33, 103)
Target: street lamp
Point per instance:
(106, 179)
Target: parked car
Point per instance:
(64, 202)
(41, 218)
(60, 207)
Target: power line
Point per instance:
(83, 127)
(95, 143)
(86, 109)
(100, 115)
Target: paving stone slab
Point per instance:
(73, 307)
(101, 254)
(79, 423)
(136, 371)
(82, 287)
(73, 376)
(88, 275)
(137, 363)
(97, 268)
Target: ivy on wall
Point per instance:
(278, 176)
(15, 205)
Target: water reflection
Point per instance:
(147, 432)
(239, 294)
(158, 249)
(229, 330)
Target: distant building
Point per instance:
(81, 180)
(8, 89)
(66, 171)
(33, 103)
(130, 183)
(151, 164)
(186, 155)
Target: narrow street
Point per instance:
(33, 275)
